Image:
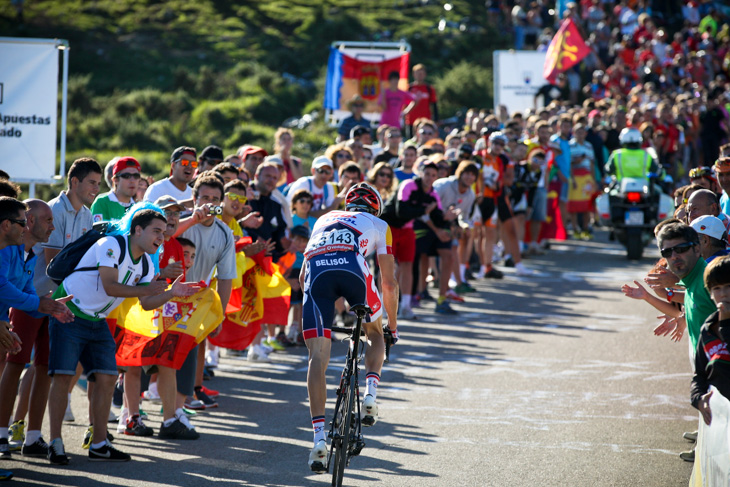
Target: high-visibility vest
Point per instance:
(631, 163)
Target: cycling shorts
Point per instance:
(329, 277)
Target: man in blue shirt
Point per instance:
(562, 161)
(28, 317)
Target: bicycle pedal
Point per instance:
(357, 448)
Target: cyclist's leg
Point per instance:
(319, 356)
(375, 353)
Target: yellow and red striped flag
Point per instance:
(565, 51)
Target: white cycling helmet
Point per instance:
(630, 136)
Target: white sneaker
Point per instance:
(369, 411)
(318, 457)
(257, 353)
(406, 313)
(521, 270)
(112, 417)
(480, 274)
(123, 418)
(265, 347)
(151, 396)
(69, 415)
(211, 357)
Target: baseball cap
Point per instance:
(253, 149)
(709, 225)
(212, 152)
(125, 163)
(322, 161)
(358, 130)
(594, 113)
(466, 148)
(275, 159)
(299, 231)
(165, 202)
(181, 151)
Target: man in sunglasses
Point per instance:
(114, 204)
(183, 163)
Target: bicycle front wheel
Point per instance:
(340, 444)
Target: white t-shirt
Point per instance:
(166, 188)
(90, 299)
(322, 197)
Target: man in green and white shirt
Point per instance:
(114, 204)
(87, 339)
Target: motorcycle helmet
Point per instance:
(630, 136)
(365, 198)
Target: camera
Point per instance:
(216, 210)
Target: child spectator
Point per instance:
(712, 360)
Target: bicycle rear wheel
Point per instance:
(340, 444)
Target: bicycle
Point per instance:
(346, 426)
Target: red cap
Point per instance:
(593, 113)
(124, 163)
(253, 149)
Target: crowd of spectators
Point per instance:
(495, 189)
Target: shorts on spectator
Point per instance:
(499, 203)
(186, 374)
(404, 244)
(539, 206)
(85, 341)
(426, 240)
(564, 192)
(32, 332)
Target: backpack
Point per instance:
(64, 264)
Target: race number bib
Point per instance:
(335, 240)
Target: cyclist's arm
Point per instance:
(390, 288)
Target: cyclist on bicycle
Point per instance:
(335, 267)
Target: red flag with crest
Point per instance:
(565, 51)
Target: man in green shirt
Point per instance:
(680, 245)
(114, 204)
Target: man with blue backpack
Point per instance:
(112, 268)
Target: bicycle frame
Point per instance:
(346, 428)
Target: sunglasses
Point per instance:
(129, 175)
(426, 133)
(172, 214)
(323, 171)
(185, 162)
(343, 155)
(236, 197)
(678, 249)
(22, 223)
(385, 174)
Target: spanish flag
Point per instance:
(166, 335)
(265, 298)
(565, 51)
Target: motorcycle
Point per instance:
(631, 208)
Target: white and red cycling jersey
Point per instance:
(339, 231)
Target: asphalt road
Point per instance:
(552, 380)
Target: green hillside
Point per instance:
(147, 76)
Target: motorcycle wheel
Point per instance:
(634, 244)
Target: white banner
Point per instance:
(517, 77)
(28, 109)
(712, 455)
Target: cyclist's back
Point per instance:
(340, 242)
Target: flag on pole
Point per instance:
(166, 335)
(565, 51)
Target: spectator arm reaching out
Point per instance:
(639, 292)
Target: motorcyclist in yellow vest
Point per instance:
(631, 161)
